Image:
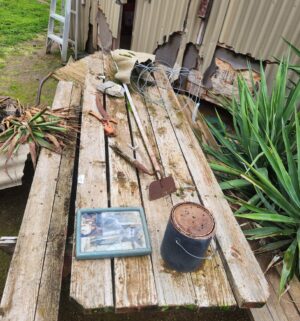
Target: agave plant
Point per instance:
(277, 210)
(38, 128)
(261, 112)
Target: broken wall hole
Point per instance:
(190, 61)
(127, 24)
(167, 52)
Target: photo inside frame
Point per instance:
(110, 231)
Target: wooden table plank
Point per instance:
(294, 292)
(173, 288)
(91, 280)
(238, 258)
(261, 314)
(50, 287)
(19, 301)
(200, 125)
(280, 308)
(210, 283)
(133, 276)
(285, 308)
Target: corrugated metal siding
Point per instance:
(193, 22)
(212, 32)
(88, 15)
(251, 27)
(112, 12)
(156, 20)
(255, 27)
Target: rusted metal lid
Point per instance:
(193, 220)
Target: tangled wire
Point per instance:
(143, 77)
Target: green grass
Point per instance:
(21, 20)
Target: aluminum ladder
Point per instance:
(62, 39)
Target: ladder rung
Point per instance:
(57, 17)
(55, 38)
(65, 20)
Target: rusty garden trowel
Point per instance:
(164, 185)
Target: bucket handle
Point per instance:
(197, 257)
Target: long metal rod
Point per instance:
(143, 134)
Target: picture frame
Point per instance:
(111, 232)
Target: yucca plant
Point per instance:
(263, 112)
(261, 161)
(277, 210)
(38, 127)
(295, 68)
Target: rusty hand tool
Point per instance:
(102, 111)
(109, 130)
(135, 163)
(164, 185)
(106, 120)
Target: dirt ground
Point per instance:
(19, 78)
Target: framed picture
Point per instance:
(111, 232)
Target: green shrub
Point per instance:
(262, 112)
(261, 163)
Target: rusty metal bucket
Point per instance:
(189, 232)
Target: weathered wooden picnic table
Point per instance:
(231, 278)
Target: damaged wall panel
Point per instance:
(105, 38)
(257, 27)
(112, 11)
(167, 52)
(156, 20)
(253, 28)
(85, 17)
(88, 20)
(222, 80)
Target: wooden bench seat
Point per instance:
(32, 290)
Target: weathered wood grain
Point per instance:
(50, 287)
(280, 308)
(199, 125)
(237, 256)
(20, 297)
(133, 276)
(274, 305)
(294, 292)
(91, 280)
(261, 314)
(173, 288)
(208, 286)
(210, 283)
(283, 306)
(23, 280)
